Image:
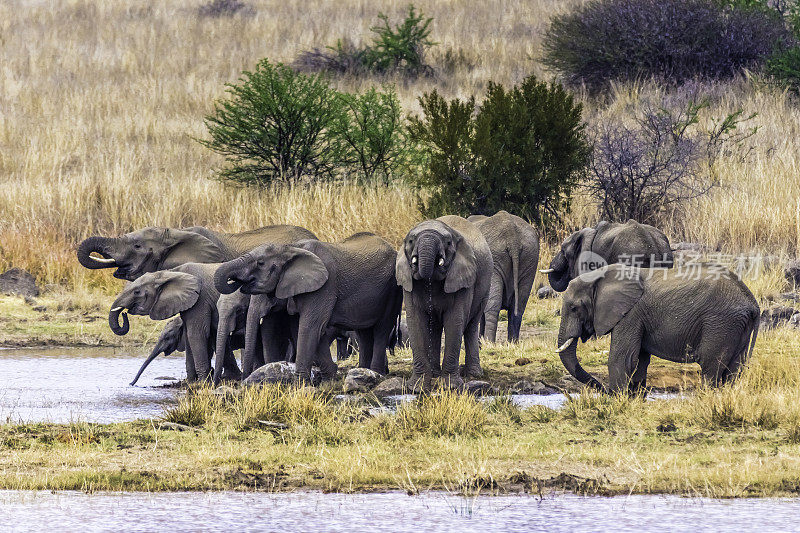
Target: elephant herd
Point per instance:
(279, 293)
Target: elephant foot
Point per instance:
(419, 383)
(302, 379)
(230, 375)
(473, 372)
(329, 372)
(451, 381)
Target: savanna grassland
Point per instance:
(100, 107)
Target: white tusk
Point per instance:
(547, 270)
(102, 259)
(565, 345)
(117, 309)
(441, 261)
(260, 320)
(231, 282)
(414, 260)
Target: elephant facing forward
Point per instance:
(445, 269)
(515, 255)
(605, 244)
(706, 316)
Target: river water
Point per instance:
(387, 512)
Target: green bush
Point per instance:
(371, 132)
(784, 68)
(522, 150)
(275, 125)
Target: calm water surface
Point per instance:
(386, 512)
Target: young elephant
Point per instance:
(515, 253)
(445, 270)
(605, 244)
(706, 316)
(348, 285)
(171, 340)
(187, 290)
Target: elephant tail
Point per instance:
(515, 276)
(754, 335)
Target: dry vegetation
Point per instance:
(100, 102)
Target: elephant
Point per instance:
(171, 340)
(607, 243)
(706, 316)
(515, 253)
(349, 285)
(445, 269)
(187, 290)
(155, 248)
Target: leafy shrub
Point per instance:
(655, 163)
(225, 8)
(672, 40)
(275, 125)
(399, 49)
(371, 132)
(522, 150)
(784, 68)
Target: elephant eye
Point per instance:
(137, 246)
(260, 262)
(272, 268)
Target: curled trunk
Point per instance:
(100, 245)
(569, 357)
(113, 321)
(222, 277)
(559, 278)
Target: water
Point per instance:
(88, 384)
(389, 512)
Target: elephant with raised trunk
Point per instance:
(607, 243)
(154, 248)
(187, 290)
(329, 287)
(515, 254)
(705, 315)
(445, 269)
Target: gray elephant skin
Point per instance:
(155, 248)
(609, 243)
(445, 269)
(187, 290)
(171, 340)
(707, 316)
(515, 254)
(329, 287)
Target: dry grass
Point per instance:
(99, 103)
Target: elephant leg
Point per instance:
(273, 339)
(493, 305)
(639, 380)
(324, 360)
(472, 345)
(365, 347)
(197, 342)
(258, 356)
(714, 353)
(230, 370)
(514, 326)
(381, 336)
(419, 336)
(525, 288)
(623, 356)
(342, 345)
(191, 372)
(309, 336)
(454, 328)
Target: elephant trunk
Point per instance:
(100, 245)
(252, 330)
(568, 347)
(427, 250)
(225, 280)
(559, 275)
(113, 320)
(155, 353)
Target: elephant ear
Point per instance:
(402, 272)
(190, 247)
(304, 272)
(179, 291)
(573, 247)
(463, 270)
(617, 289)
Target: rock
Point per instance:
(360, 380)
(795, 320)
(532, 387)
(776, 316)
(279, 372)
(546, 292)
(390, 387)
(522, 361)
(792, 273)
(478, 388)
(19, 282)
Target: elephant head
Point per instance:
(157, 294)
(281, 271)
(593, 304)
(565, 266)
(148, 250)
(432, 251)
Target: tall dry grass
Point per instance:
(99, 102)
